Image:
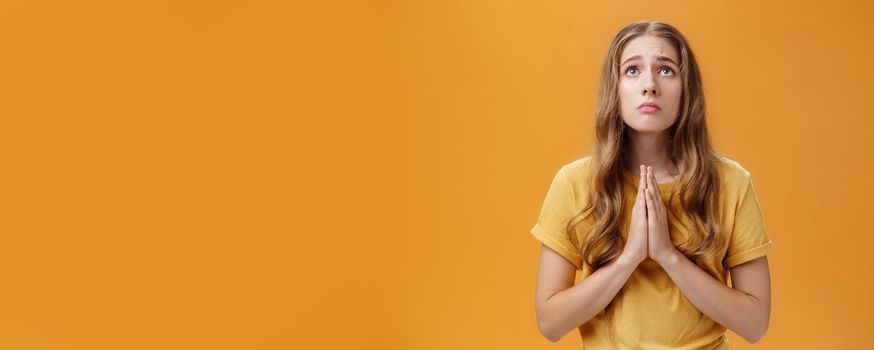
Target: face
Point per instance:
(649, 72)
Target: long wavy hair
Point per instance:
(688, 146)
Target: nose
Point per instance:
(649, 84)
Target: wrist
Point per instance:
(628, 260)
(668, 258)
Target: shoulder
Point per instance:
(577, 170)
(578, 166)
(734, 175)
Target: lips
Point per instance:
(652, 105)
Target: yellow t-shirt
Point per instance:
(651, 312)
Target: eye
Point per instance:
(630, 68)
(668, 69)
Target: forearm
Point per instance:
(570, 308)
(732, 308)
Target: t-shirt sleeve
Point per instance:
(557, 210)
(749, 238)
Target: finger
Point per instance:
(650, 182)
(651, 178)
(645, 172)
(656, 193)
(649, 204)
(652, 212)
(642, 182)
(640, 187)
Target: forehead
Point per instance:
(649, 47)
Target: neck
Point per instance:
(650, 149)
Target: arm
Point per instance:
(745, 308)
(562, 306)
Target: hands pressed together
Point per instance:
(648, 234)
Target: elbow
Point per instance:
(758, 335)
(548, 331)
(762, 319)
(755, 338)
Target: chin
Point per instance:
(649, 127)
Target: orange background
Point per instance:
(266, 175)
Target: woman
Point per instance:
(655, 218)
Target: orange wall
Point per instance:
(259, 175)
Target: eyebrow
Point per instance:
(658, 58)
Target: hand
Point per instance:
(659, 240)
(636, 245)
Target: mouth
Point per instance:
(648, 107)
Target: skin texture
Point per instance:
(561, 305)
(745, 308)
(648, 72)
(637, 246)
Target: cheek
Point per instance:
(673, 91)
(626, 86)
(626, 93)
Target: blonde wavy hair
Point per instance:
(688, 146)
